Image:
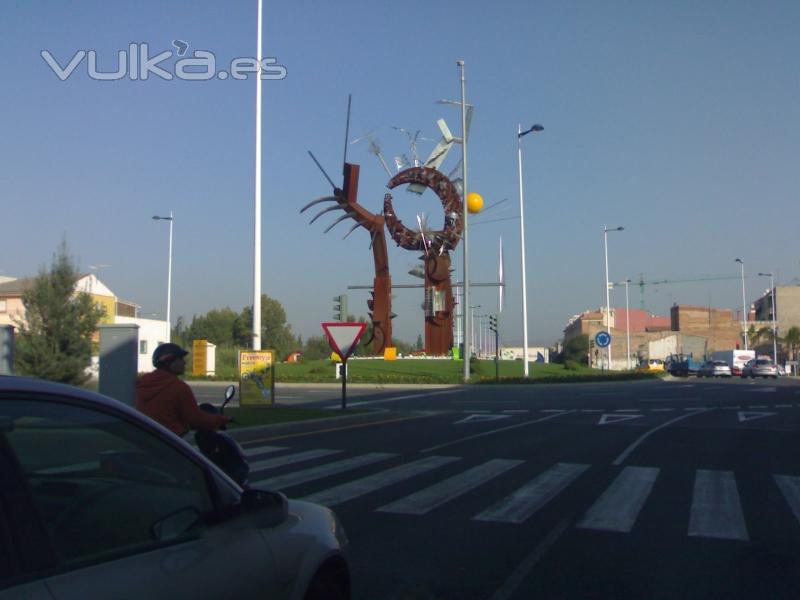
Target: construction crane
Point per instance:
(641, 283)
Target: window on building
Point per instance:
(142, 346)
(3, 306)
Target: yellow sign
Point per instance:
(390, 353)
(199, 357)
(250, 361)
(256, 377)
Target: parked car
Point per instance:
(760, 367)
(99, 501)
(714, 368)
(652, 364)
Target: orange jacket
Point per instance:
(163, 397)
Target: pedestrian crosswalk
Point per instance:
(714, 505)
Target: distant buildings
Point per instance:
(696, 330)
(116, 311)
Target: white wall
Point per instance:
(663, 347)
(515, 353)
(151, 334)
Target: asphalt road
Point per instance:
(679, 489)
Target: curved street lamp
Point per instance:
(520, 134)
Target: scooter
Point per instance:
(221, 448)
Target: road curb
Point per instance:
(248, 434)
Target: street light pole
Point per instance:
(774, 317)
(628, 322)
(171, 220)
(472, 330)
(520, 135)
(464, 188)
(257, 201)
(608, 290)
(744, 306)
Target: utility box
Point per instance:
(119, 360)
(204, 358)
(6, 349)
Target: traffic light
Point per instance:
(492, 323)
(340, 308)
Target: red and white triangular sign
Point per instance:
(344, 337)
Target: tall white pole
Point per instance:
(467, 324)
(608, 295)
(169, 280)
(744, 307)
(774, 322)
(257, 213)
(525, 370)
(628, 322)
(774, 316)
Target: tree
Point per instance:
(316, 347)
(218, 326)
(55, 340)
(576, 348)
(792, 341)
(420, 345)
(275, 332)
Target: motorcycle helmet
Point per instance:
(166, 353)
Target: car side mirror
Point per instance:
(267, 508)
(230, 392)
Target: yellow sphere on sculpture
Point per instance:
(474, 202)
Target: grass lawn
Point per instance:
(441, 371)
(269, 415)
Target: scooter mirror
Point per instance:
(230, 392)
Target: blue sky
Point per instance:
(678, 120)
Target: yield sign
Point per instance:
(606, 419)
(750, 415)
(343, 337)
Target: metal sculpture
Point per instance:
(436, 246)
(380, 305)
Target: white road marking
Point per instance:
(396, 398)
(611, 418)
(716, 511)
(619, 506)
(524, 568)
(290, 459)
(554, 410)
(481, 418)
(522, 504)
(426, 500)
(749, 416)
(516, 411)
(248, 452)
(783, 406)
(621, 458)
(790, 487)
(766, 389)
(493, 431)
(365, 485)
(296, 478)
(627, 409)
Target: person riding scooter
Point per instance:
(163, 397)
